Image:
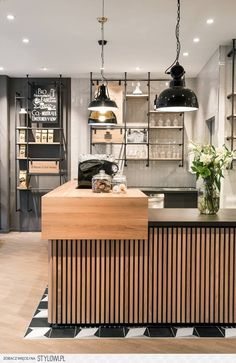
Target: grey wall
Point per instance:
(4, 156)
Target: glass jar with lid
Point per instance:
(101, 182)
(119, 184)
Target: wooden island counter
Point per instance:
(89, 235)
(109, 265)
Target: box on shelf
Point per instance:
(22, 151)
(116, 136)
(38, 136)
(50, 136)
(44, 167)
(136, 136)
(21, 135)
(44, 136)
(23, 179)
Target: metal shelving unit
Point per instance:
(37, 151)
(143, 126)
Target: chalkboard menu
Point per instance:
(44, 104)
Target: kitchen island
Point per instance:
(174, 266)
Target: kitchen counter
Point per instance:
(70, 213)
(114, 262)
(185, 197)
(191, 217)
(168, 189)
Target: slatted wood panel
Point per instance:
(180, 275)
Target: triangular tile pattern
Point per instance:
(40, 329)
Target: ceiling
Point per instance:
(63, 35)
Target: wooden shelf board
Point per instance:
(165, 159)
(107, 142)
(136, 159)
(131, 95)
(137, 127)
(166, 144)
(164, 113)
(230, 95)
(46, 174)
(39, 143)
(166, 127)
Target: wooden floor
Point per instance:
(23, 277)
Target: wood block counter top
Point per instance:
(70, 213)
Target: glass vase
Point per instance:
(208, 198)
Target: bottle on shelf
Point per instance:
(155, 102)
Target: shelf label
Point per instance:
(45, 104)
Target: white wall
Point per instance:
(228, 199)
(207, 88)
(79, 121)
(213, 85)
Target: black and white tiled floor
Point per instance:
(40, 329)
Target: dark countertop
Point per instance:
(168, 190)
(190, 217)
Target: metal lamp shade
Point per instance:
(177, 99)
(102, 119)
(102, 102)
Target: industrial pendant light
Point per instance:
(102, 102)
(177, 98)
(103, 119)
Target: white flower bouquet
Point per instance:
(209, 163)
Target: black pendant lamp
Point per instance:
(103, 119)
(102, 102)
(177, 98)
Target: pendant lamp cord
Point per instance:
(178, 45)
(102, 20)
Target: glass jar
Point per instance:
(101, 182)
(119, 184)
(208, 198)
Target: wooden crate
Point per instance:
(108, 136)
(44, 167)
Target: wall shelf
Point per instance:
(166, 127)
(33, 156)
(145, 96)
(231, 117)
(231, 95)
(148, 132)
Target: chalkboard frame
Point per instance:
(45, 103)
